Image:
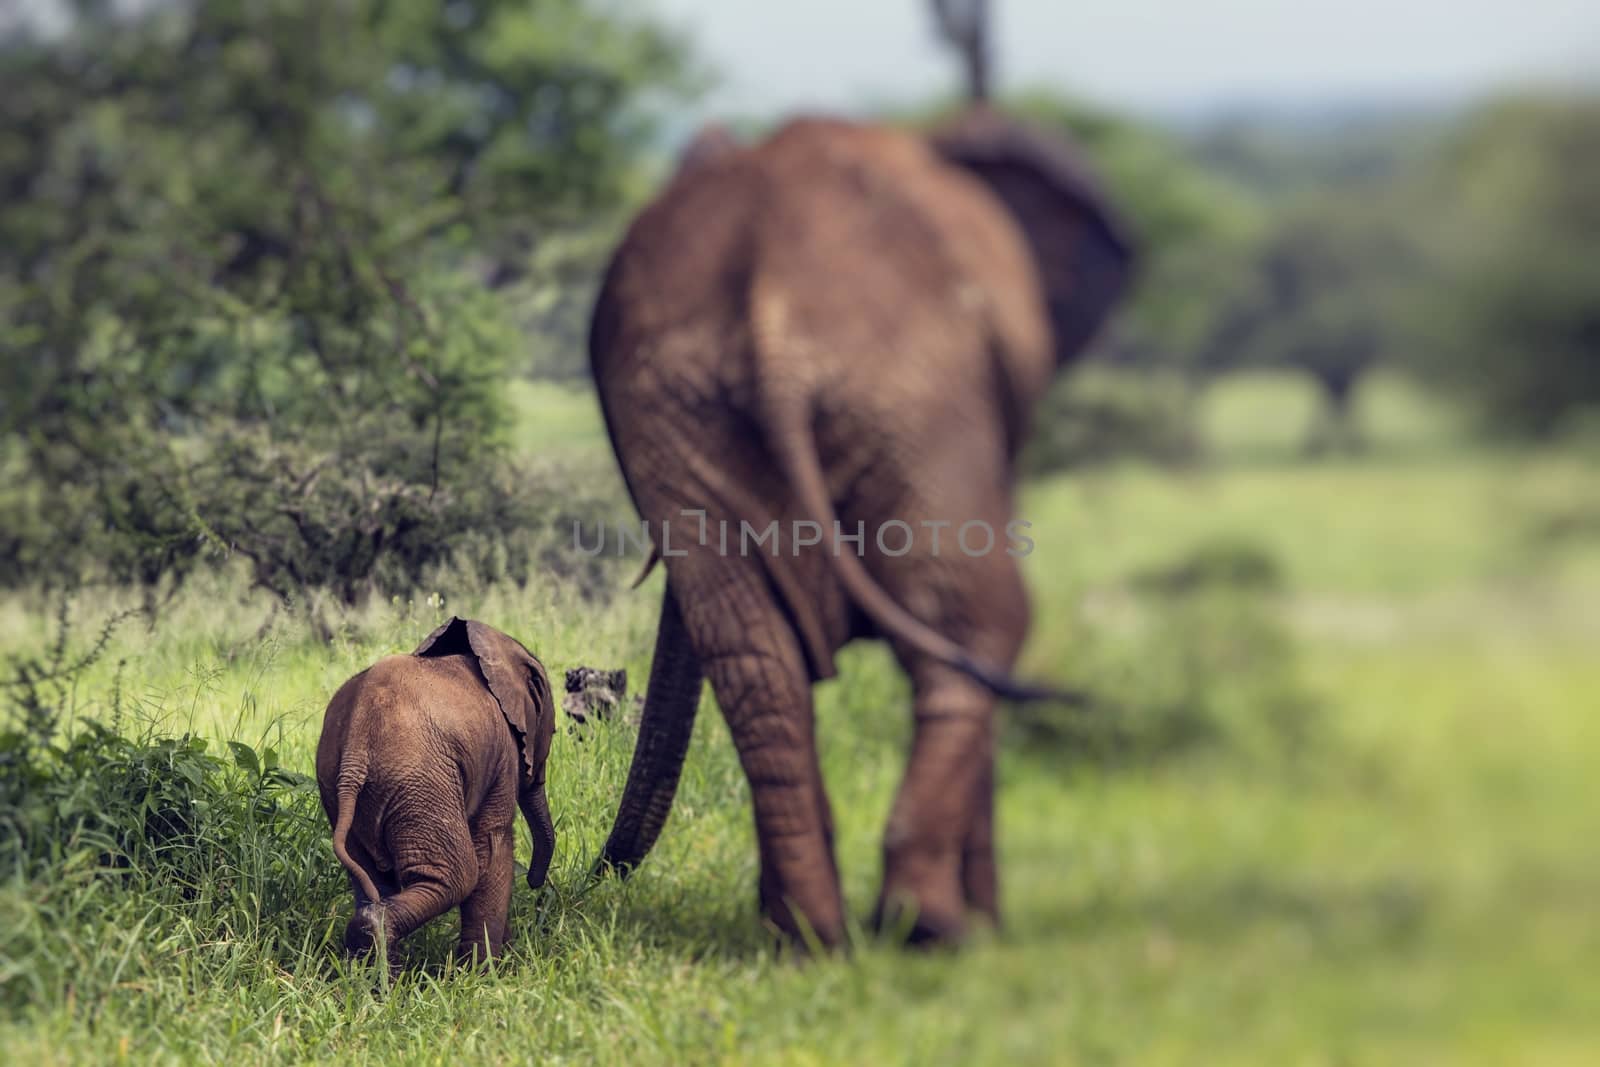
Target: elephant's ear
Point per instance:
(1083, 250)
(514, 675)
(448, 640)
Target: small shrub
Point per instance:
(126, 838)
(1189, 657)
(1577, 524)
(1098, 416)
(539, 504)
(1221, 563)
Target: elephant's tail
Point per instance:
(794, 443)
(352, 776)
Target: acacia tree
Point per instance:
(1327, 290)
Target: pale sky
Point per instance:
(1161, 55)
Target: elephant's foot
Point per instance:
(919, 928)
(365, 930)
(820, 927)
(478, 952)
(801, 901)
(923, 898)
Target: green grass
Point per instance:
(555, 418)
(1419, 887)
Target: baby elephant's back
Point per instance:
(435, 693)
(414, 716)
(448, 691)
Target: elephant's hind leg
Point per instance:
(485, 911)
(357, 935)
(759, 675)
(938, 850)
(435, 865)
(979, 879)
(769, 713)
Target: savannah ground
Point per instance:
(1414, 882)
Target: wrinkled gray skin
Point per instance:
(423, 762)
(854, 323)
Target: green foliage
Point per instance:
(1514, 323)
(1190, 657)
(1461, 248)
(1282, 158)
(1327, 290)
(1097, 415)
(243, 256)
(92, 818)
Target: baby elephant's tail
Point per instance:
(352, 776)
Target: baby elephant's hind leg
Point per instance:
(436, 867)
(485, 911)
(357, 933)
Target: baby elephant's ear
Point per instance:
(448, 640)
(520, 686)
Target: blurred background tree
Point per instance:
(1456, 248)
(1514, 320)
(1324, 295)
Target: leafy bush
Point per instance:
(1095, 416)
(95, 821)
(264, 271)
(1513, 323)
(1220, 563)
(1189, 657)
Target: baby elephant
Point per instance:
(423, 761)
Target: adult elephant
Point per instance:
(844, 323)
